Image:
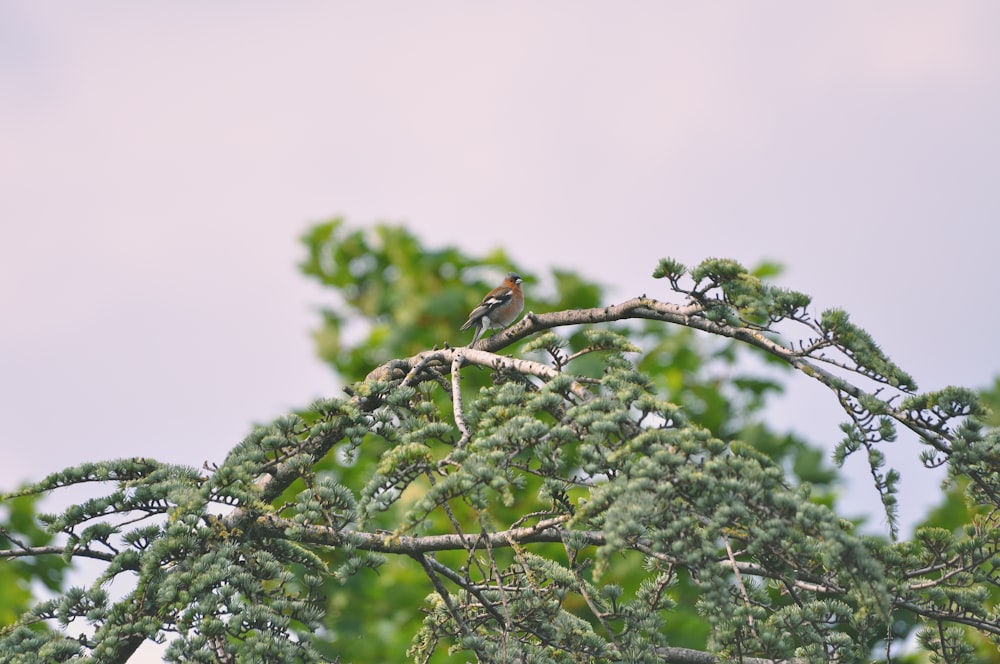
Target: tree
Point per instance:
(571, 500)
(20, 529)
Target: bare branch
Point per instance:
(445, 596)
(740, 585)
(456, 398)
(446, 357)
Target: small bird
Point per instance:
(499, 308)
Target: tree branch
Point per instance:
(32, 551)
(456, 399)
(690, 315)
(544, 531)
(688, 656)
(277, 476)
(445, 358)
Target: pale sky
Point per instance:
(159, 161)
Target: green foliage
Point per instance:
(21, 531)
(960, 512)
(404, 297)
(702, 375)
(736, 303)
(605, 491)
(860, 347)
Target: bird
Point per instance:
(499, 308)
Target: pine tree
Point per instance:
(580, 487)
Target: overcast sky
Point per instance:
(158, 163)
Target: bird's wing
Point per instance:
(489, 303)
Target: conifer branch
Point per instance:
(930, 425)
(34, 551)
(688, 656)
(691, 316)
(610, 470)
(544, 531)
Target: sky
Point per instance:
(158, 163)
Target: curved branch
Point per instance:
(444, 359)
(690, 316)
(55, 550)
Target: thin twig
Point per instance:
(456, 398)
(739, 584)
